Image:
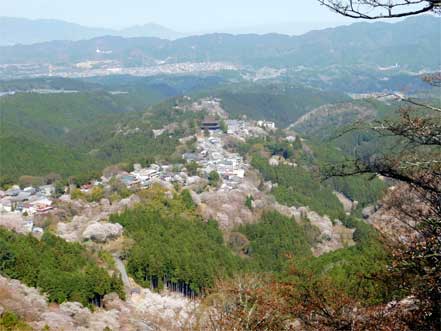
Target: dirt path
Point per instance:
(122, 270)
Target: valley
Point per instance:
(221, 182)
(245, 175)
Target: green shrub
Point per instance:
(10, 321)
(214, 178)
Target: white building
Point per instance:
(266, 125)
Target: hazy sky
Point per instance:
(181, 15)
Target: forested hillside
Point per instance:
(299, 179)
(174, 247)
(78, 134)
(271, 243)
(65, 271)
(298, 187)
(351, 270)
(281, 103)
(169, 86)
(171, 247)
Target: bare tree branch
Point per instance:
(375, 9)
(422, 131)
(414, 102)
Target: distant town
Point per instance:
(110, 67)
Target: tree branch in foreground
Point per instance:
(375, 9)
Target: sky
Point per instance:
(286, 16)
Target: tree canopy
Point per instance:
(65, 271)
(174, 247)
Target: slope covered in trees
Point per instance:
(76, 134)
(298, 187)
(280, 103)
(298, 174)
(25, 156)
(65, 271)
(173, 247)
(275, 240)
(357, 271)
(54, 115)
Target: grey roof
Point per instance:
(191, 156)
(22, 196)
(13, 192)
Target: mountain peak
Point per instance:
(15, 30)
(150, 29)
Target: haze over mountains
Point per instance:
(16, 30)
(413, 43)
(25, 31)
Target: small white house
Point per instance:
(266, 125)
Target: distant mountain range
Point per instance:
(25, 31)
(412, 44)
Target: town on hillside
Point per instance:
(210, 161)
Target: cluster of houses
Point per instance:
(27, 201)
(145, 177)
(212, 156)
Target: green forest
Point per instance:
(174, 247)
(277, 244)
(304, 184)
(65, 271)
(298, 187)
(77, 134)
(280, 103)
(275, 240)
(356, 270)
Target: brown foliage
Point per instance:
(25, 181)
(246, 303)
(251, 303)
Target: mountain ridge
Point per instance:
(413, 43)
(15, 31)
